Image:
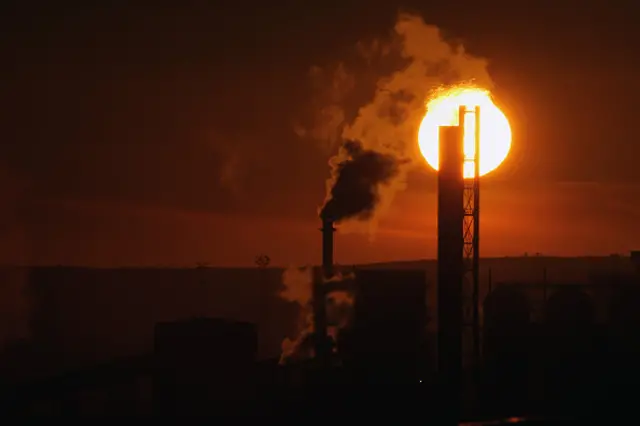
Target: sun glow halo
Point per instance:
(495, 132)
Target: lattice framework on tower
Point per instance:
(470, 119)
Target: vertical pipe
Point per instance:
(327, 247)
(450, 259)
(322, 347)
(476, 237)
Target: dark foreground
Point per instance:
(141, 387)
(207, 367)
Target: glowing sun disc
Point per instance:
(495, 132)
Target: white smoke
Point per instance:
(401, 72)
(298, 288)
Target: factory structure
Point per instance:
(458, 257)
(77, 313)
(466, 308)
(409, 320)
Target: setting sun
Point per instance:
(495, 132)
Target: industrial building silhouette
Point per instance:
(548, 338)
(464, 334)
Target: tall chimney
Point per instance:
(327, 247)
(322, 346)
(450, 258)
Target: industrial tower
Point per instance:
(458, 240)
(471, 230)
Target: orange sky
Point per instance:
(141, 136)
(553, 219)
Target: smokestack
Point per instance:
(327, 247)
(450, 258)
(322, 348)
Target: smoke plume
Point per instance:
(357, 177)
(339, 312)
(379, 100)
(298, 288)
(297, 284)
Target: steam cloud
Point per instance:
(298, 288)
(397, 75)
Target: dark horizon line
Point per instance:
(203, 265)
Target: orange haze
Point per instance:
(107, 234)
